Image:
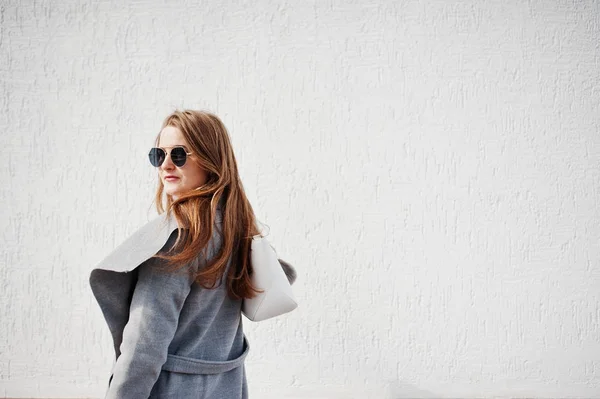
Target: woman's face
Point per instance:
(178, 180)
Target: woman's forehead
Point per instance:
(171, 136)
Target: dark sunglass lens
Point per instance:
(178, 156)
(157, 157)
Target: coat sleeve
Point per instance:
(154, 313)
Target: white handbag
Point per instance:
(276, 297)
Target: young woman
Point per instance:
(175, 313)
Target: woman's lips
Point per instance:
(171, 178)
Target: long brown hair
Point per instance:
(196, 209)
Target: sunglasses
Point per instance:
(178, 156)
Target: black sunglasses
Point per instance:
(178, 156)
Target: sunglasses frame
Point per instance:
(168, 153)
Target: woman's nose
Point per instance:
(167, 163)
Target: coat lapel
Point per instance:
(113, 279)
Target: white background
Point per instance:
(431, 168)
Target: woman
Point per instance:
(172, 293)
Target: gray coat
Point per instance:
(172, 338)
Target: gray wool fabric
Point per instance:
(172, 337)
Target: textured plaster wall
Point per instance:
(432, 168)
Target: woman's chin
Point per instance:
(173, 194)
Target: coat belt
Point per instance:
(188, 365)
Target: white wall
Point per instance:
(431, 168)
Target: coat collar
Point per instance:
(141, 245)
